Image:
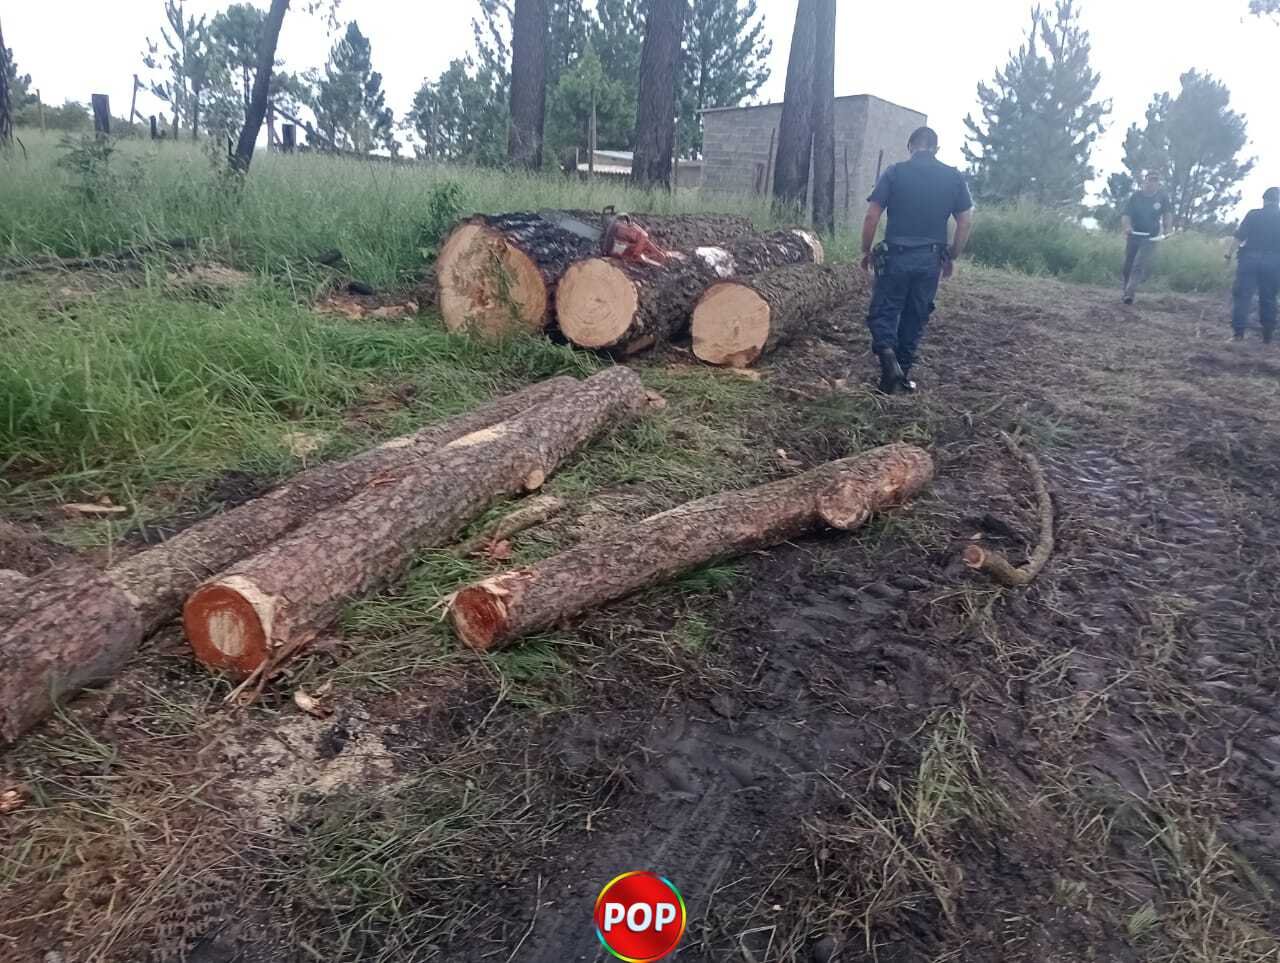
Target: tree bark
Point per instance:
(528, 83)
(6, 103)
(656, 110)
(243, 156)
(155, 582)
(60, 632)
(497, 274)
(841, 494)
(739, 320)
(260, 612)
(824, 119)
(795, 129)
(613, 305)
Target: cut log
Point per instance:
(79, 626)
(621, 306)
(161, 578)
(62, 631)
(260, 612)
(842, 494)
(737, 321)
(498, 273)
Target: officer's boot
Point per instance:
(891, 376)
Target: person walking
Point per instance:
(1258, 271)
(1147, 218)
(920, 195)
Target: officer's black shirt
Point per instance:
(920, 196)
(1147, 211)
(1260, 230)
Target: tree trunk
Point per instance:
(528, 83)
(6, 104)
(155, 582)
(795, 130)
(243, 156)
(261, 611)
(824, 120)
(622, 306)
(841, 494)
(11, 581)
(738, 321)
(656, 110)
(497, 274)
(67, 629)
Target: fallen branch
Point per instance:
(535, 512)
(842, 495)
(993, 562)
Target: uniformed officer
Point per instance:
(921, 195)
(1258, 272)
(1147, 217)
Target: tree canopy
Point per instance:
(1194, 141)
(725, 62)
(348, 100)
(1040, 117)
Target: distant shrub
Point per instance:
(1026, 238)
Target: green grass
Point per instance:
(134, 386)
(1034, 241)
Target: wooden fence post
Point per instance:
(101, 114)
(768, 167)
(40, 107)
(155, 128)
(133, 103)
(288, 137)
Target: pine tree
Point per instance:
(528, 83)
(185, 39)
(1194, 141)
(795, 129)
(581, 88)
(656, 102)
(349, 103)
(725, 62)
(462, 116)
(824, 119)
(1040, 118)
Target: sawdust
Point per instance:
(276, 771)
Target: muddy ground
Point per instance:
(849, 748)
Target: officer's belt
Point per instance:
(911, 248)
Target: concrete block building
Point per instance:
(740, 145)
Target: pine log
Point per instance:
(842, 494)
(161, 578)
(83, 619)
(739, 320)
(498, 273)
(263, 610)
(67, 629)
(621, 306)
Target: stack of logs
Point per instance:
(258, 583)
(739, 292)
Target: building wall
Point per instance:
(736, 155)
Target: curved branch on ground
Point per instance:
(993, 562)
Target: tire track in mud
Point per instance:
(1203, 624)
(712, 780)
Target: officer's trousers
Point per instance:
(1139, 257)
(902, 302)
(1257, 274)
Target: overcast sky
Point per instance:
(925, 54)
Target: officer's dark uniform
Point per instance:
(920, 196)
(1259, 270)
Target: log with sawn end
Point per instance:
(257, 614)
(841, 494)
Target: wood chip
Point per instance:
(11, 800)
(310, 705)
(303, 443)
(93, 510)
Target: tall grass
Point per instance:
(1035, 241)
